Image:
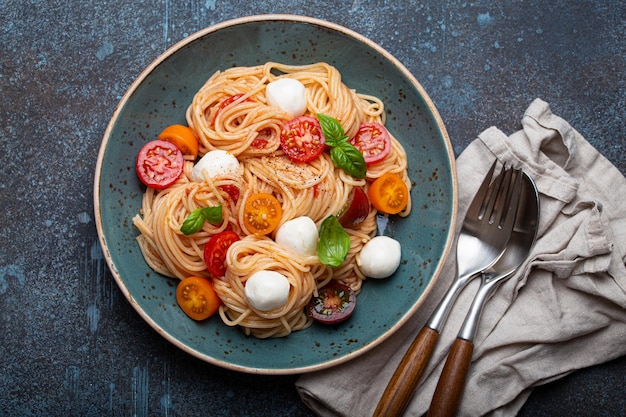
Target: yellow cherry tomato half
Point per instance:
(262, 212)
(389, 194)
(183, 137)
(197, 298)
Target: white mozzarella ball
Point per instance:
(267, 290)
(214, 163)
(298, 235)
(380, 257)
(288, 95)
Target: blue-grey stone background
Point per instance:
(70, 343)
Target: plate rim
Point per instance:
(229, 24)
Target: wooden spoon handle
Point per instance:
(404, 380)
(449, 391)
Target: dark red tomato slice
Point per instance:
(262, 139)
(230, 100)
(373, 140)
(259, 143)
(356, 210)
(159, 164)
(215, 252)
(302, 139)
(232, 191)
(334, 303)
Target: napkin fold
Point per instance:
(565, 308)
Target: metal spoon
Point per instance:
(451, 383)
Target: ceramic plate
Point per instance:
(160, 96)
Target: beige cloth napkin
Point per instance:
(564, 310)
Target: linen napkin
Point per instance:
(565, 308)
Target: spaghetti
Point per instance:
(230, 112)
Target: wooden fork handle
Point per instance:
(449, 391)
(402, 384)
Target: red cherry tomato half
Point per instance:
(373, 140)
(356, 210)
(215, 252)
(159, 164)
(335, 303)
(302, 139)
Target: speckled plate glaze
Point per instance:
(160, 96)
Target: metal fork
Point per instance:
(484, 235)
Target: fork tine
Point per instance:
(499, 189)
(502, 207)
(476, 208)
(513, 197)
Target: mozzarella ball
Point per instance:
(380, 257)
(267, 290)
(288, 95)
(215, 163)
(298, 235)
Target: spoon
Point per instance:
(451, 383)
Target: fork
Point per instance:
(449, 391)
(484, 235)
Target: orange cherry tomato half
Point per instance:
(262, 212)
(197, 298)
(302, 139)
(183, 137)
(159, 164)
(215, 252)
(373, 140)
(389, 194)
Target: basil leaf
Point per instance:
(332, 129)
(350, 159)
(334, 242)
(193, 223)
(213, 214)
(344, 155)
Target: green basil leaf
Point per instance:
(193, 223)
(344, 155)
(350, 159)
(213, 214)
(332, 130)
(334, 242)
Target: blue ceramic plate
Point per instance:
(160, 96)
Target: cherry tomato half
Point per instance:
(302, 139)
(373, 140)
(159, 164)
(215, 252)
(356, 210)
(335, 303)
(389, 193)
(262, 212)
(197, 298)
(183, 137)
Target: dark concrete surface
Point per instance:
(70, 343)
